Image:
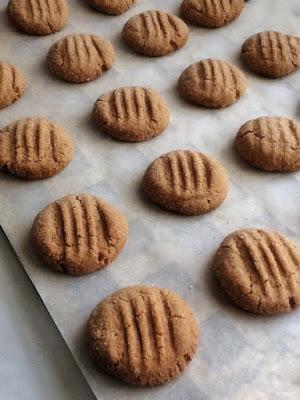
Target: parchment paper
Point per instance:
(241, 356)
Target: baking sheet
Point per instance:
(241, 356)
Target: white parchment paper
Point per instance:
(241, 356)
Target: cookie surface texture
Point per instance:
(272, 54)
(143, 335)
(259, 271)
(34, 148)
(132, 114)
(79, 234)
(270, 143)
(211, 13)
(12, 84)
(80, 57)
(212, 83)
(155, 33)
(38, 17)
(113, 7)
(186, 182)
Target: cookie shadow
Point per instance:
(108, 382)
(219, 295)
(214, 287)
(239, 62)
(298, 111)
(145, 201)
(156, 208)
(88, 122)
(242, 165)
(4, 21)
(225, 303)
(119, 42)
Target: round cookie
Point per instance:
(113, 7)
(270, 143)
(259, 271)
(143, 335)
(155, 33)
(80, 57)
(132, 114)
(212, 83)
(211, 13)
(34, 148)
(186, 182)
(12, 84)
(272, 54)
(79, 234)
(38, 17)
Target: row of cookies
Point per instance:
(206, 13)
(35, 17)
(35, 148)
(271, 54)
(209, 83)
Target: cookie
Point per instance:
(113, 7)
(38, 17)
(34, 148)
(211, 13)
(260, 271)
(272, 54)
(270, 143)
(132, 114)
(79, 234)
(186, 182)
(80, 57)
(143, 335)
(212, 83)
(155, 33)
(12, 84)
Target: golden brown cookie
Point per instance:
(211, 13)
(132, 114)
(34, 148)
(143, 335)
(80, 57)
(155, 33)
(272, 54)
(79, 234)
(270, 143)
(260, 271)
(186, 182)
(38, 17)
(12, 84)
(113, 7)
(212, 83)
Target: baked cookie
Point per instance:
(79, 234)
(34, 148)
(260, 271)
(132, 114)
(270, 143)
(113, 7)
(212, 83)
(272, 54)
(143, 335)
(211, 13)
(155, 33)
(80, 57)
(38, 17)
(186, 182)
(12, 84)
